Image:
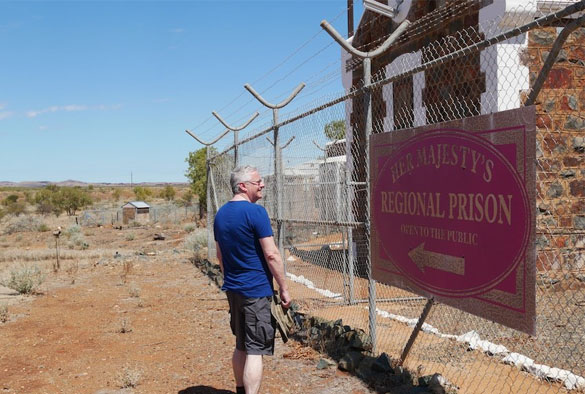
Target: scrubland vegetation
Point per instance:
(39, 230)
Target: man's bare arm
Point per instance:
(218, 254)
(276, 267)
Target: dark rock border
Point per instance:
(350, 349)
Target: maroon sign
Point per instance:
(452, 210)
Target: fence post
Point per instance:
(208, 199)
(210, 240)
(278, 176)
(235, 130)
(367, 62)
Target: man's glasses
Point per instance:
(256, 183)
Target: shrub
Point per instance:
(168, 193)
(134, 224)
(129, 377)
(4, 316)
(142, 193)
(197, 242)
(188, 197)
(23, 224)
(56, 200)
(77, 241)
(190, 227)
(11, 199)
(72, 230)
(43, 228)
(134, 291)
(13, 206)
(25, 279)
(130, 237)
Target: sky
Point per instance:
(103, 91)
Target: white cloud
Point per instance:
(43, 127)
(70, 108)
(177, 30)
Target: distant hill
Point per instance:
(71, 183)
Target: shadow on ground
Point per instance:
(204, 390)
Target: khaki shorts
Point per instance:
(252, 323)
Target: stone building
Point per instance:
(480, 83)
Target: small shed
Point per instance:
(138, 211)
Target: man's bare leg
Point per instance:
(253, 373)
(238, 364)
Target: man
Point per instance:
(249, 260)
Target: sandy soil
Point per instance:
(147, 321)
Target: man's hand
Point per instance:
(285, 298)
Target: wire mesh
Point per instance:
(324, 198)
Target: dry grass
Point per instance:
(134, 291)
(129, 377)
(18, 255)
(25, 279)
(124, 327)
(4, 315)
(127, 266)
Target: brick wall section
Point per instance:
(560, 124)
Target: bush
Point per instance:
(142, 193)
(187, 198)
(58, 199)
(197, 242)
(13, 206)
(11, 199)
(73, 230)
(190, 227)
(23, 224)
(129, 377)
(4, 315)
(77, 241)
(26, 279)
(168, 193)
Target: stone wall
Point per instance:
(560, 150)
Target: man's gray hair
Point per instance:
(239, 175)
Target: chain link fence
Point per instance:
(482, 66)
(160, 213)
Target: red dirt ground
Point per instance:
(159, 328)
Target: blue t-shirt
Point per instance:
(238, 228)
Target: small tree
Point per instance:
(116, 194)
(73, 199)
(187, 198)
(142, 193)
(48, 200)
(335, 130)
(168, 193)
(13, 206)
(197, 174)
(11, 199)
(56, 200)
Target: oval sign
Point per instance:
(451, 212)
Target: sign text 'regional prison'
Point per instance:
(452, 212)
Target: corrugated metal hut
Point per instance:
(138, 211)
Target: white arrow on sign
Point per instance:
(444, 262)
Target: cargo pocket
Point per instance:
(264, 326)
